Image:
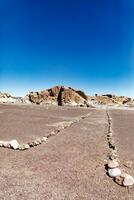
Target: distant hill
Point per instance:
(62, 96)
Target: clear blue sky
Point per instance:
(86, 44)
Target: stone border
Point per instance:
(14, 145)
(112, 167)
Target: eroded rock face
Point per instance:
(82, 94)
(59, 95)
(54, 92)
(109, 99)
(7, 98)
(71, 97)
(4, 95)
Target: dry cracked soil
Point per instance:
(71, 165)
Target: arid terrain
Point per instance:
(67, 96)
(71, 164)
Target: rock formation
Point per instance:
(109, 99)
(62, 96)
(59, 95)
(7, 98)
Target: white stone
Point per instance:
(110, 134)
(44, 139)
(38, 140)
(114, 172)
(1, 143)
(8, 100)
(6, 144)
(23, 146)
(125, 180)
(111, 130)
(112, 142)
(27, 146)
(128, 180)
(113, 156)
(113, 164)
(14, 144)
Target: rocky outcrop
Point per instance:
(7, 98)
(5, 95)
(59, 95)
(82, 94)
(109, 99)
(62, 96)
(71, 97)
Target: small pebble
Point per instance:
(21, 147)
(53, 133)
(114, 172)
(36, 143)
(113, 164)
(31, 144)
(1, 143)
(111, 130)
(38, 140)
(114, 151)
(6, 144)
(124, 180)
(56, 131)
(128, 180)
(111, 142)
(110, 134)
(44, 139)
(113, 156)
(27, 146)
(14, 144)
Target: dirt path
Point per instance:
(71, 166)
(123, 127)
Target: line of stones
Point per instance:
(14, 145)
(113, 170)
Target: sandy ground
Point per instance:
(71, 165)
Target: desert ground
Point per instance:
(71, 164)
